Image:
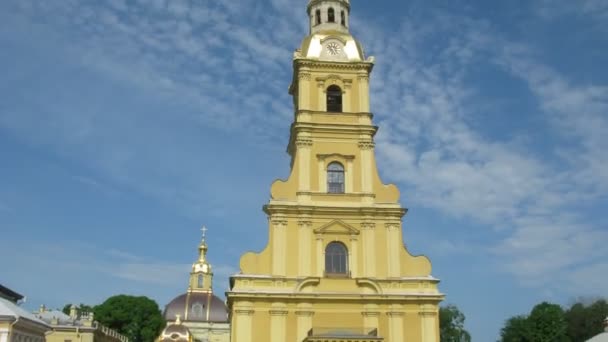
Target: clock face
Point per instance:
(334, 48)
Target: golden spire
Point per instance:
(202, 251)
(201, 276)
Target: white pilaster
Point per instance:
(363, 93)
(243, 322)
(395, 327)
(393, 246)
(279, 243)
(304, 145)
(304, 238)
(278, 322)
(354, 256)
(320, 256)
(304, 90)
(304, 322)
(429, 326)
(369, 249)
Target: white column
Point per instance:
(349, 177)
(321, 96)
(304, 145)
(304, 322)
(322, 176)
(279, 243)
(369, 249)
(304, 238)
(320, 256)
(304, 90)
(395, 327)
(278, 325)
(3, 335)
(370, 321)
(242, 331)
(363, 93)
(392, 252)
(354, 257)
(366, 147)
(429, 324)
(346, 96)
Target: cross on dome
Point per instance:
(204, 230)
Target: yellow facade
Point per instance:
(21, 330)
(76, 327)
(320, 216)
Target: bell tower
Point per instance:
(201, 276)
(335, 265)
(328, 15)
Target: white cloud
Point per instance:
(201, 56)
(430, 146)
(550, 9)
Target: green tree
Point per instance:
(546, 323)
(515, 330)
(139, 318)
(586, 321)
(451, 323)
(81, 308)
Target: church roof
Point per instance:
(12, 311)
(9, 294)
(197, 307)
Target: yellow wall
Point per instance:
(283, 291)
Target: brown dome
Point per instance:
(197, 307)
(176, 333)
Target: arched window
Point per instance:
(318, 17)
(197, 310)
(201, 281)
(334, 99)
(331, 15)
(336, 259)
(335, 178)
(343, 18)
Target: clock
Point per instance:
(333, 48)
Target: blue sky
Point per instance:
(125, 125)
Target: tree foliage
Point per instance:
(451, 323)
(139, 318)
(81, 308)
(586, 321)
(549, 322)
(514, 330)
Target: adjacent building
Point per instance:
(335, 267)
(16, 324)
(76, 327)
(199, 310)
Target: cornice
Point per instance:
(296, 208)
(334, 296)
(318, 64)
(316, 112)
(333, 128)
(315, 2)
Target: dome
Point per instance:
(313, 47)
(175, 332)
(197, 307)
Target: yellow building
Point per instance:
(335, 268)
(76, 327)
(16, 324)
(198, 310)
